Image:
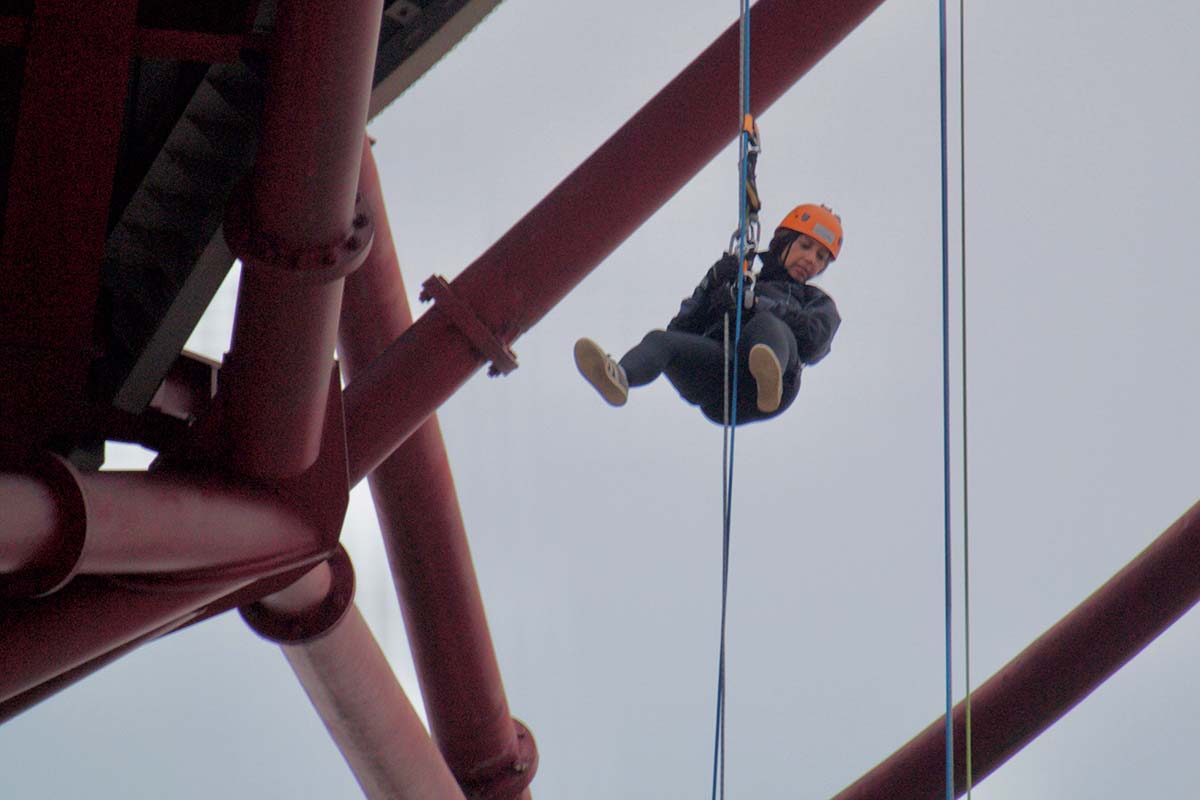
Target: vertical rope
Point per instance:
(726, 475)
(946, 408)
(966, 516)
(731, 399)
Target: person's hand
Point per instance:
(724, 296)
(725, 270)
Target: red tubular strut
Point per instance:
(427, 548)
(48, 688)
(541, 258)
(369, 716)
(141, 523)
(200, 540)
(1052, 675)
(45, 638)
(298, 234)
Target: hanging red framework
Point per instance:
(244, 505)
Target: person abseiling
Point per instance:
(789, 324)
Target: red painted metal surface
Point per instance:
(369, 716)
(207, 48)
(55, 221)
(541, 258)
(428, 551)
(309, 607)
(45, 638)
(159, 43)
(1046, 680)
(30, 522)
(140, 523)
(298, 234)
(28, 699)
(165, 521)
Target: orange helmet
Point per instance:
(818, 222)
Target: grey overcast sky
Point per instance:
(596, 531)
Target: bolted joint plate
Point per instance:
(482, 338)
(311, 264)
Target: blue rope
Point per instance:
(731, 421)
(946, 407)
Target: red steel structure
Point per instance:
(256, 149)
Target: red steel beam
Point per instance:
(369, 716)
(48, 637)
(131, 523)
(428, 551)
(541, 258)
(351, 684)
(298, 234)
(1047, 679)
(26, 700)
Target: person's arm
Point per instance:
(695, 312)
(812, 316)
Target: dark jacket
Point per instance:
(806, 310)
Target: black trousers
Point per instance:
(695, 366)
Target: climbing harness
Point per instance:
(746, 241)
(748, 229)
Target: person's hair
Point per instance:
(780, 241)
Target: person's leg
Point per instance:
(694, 364)
(767, 352)
(601, 371)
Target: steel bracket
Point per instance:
(503, 359)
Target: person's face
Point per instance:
(805, 258)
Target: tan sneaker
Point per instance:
(602, 371)
(764, 366)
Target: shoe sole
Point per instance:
(592, 362)
(764, 366)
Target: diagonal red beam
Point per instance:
(26, 700)
(541, 258)
(48, 637)
(428, 551)
(369, 716)
(1047, 679)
